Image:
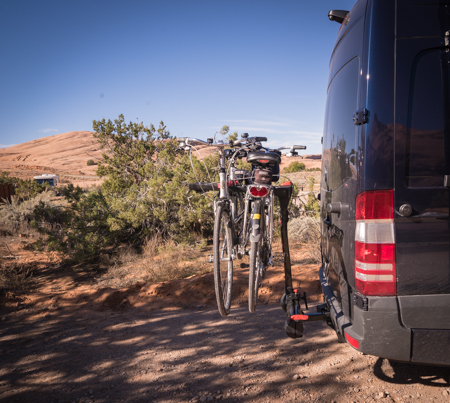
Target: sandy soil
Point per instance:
(68, 341)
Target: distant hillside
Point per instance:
(67, 154)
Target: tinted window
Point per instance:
(428, 142)
(339, 131)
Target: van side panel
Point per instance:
(339, 171)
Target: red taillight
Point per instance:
(375, 205)
(263, 161)
(375, 267)
(258, 191)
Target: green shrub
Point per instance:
(312, 203)
(90, 162)
(294, 166)
(144, 195)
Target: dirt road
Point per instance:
(195, 355)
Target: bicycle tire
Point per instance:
(254, 274)
(255, 260)
(222, 249)
(268, 235)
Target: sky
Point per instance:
(258, 66)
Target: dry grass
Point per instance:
(15, 215)
(159, 261)
(306, 230)
(15, 277)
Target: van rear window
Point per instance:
(428, 140)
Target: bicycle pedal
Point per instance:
(244, 266)
(210, 259)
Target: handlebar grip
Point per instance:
(299, 147)
(202, 186)
(260, 138)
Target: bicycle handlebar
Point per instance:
(203, 186)
(185, 141)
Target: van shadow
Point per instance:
(409, 374)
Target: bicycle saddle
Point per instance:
(259, 157)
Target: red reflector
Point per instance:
(373, 205)
(299, 317)
(350, 340)
(286, 184)
(376, 287)
(258, 192)
(263, 161)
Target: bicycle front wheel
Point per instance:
(223, 259)
(256, 243)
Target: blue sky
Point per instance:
(258, 66)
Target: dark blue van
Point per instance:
(385, 184)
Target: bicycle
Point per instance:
(242, 193)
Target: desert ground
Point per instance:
(70, 340)
(76, 334)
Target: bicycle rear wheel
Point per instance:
(223, 259)
(254, 276)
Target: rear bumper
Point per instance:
(379, 331)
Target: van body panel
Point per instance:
(376, 140)
(425, 311)
(379, 330)
(422, 18)
(431, 346)
(349, 41)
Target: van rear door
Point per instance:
(422, 163)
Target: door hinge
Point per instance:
(361, 116)
(361, 302)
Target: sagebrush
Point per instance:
(306, 230)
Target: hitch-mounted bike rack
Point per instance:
(290, 301)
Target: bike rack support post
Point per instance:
(291, 299)
(284, 194)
